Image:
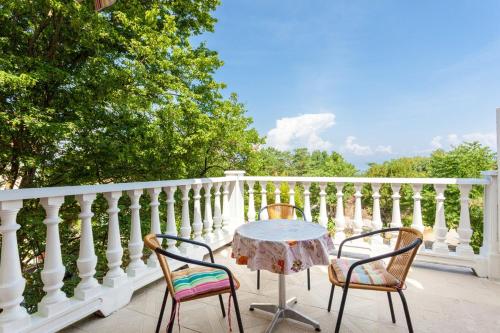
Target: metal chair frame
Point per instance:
(415, 244)
(186, 260)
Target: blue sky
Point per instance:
(373, 80)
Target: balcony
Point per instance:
(442, 290)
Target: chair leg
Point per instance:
(162, 310)
(407, 313)
(331, 298)
(341, 311)
(222, 306)
(308, 279)
(390, 306)
(258, 279)
(237, 310)
(171, 323)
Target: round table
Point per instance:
(282, 247)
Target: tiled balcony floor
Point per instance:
(440, 300)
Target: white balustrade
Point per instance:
(339, 214)
(323, 217)
(12, 283)
(396, 210)
(56, 309)
(185, 229)
(208, 219)
(155, 222)
(358, 217)
(291, 200)
(307, 201)
(464, 230)
(251, 201)
(440, 229)
(87, 260)
(197, 221)
(53, 271)
(417, 208)
(226, 211)
(277, 192)
(114, 252)
(219, 235)
(135, 244)
(263, 201)
(171, 225)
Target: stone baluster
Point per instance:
(358, 217)
(323, 217)
(219, 235)
(208, 221)
(440, 229)
(376, 218)
(263, 201)
(339, 214)
(114, 252)
(307, 201)
(226, 210)
(53, 269)
(277, 192)
(291, 201)
(155, 222)
(417, 208)
(197, 220)
(135, 244)
(396, 211)
(377, 224)
(251, 201)
(13, 316)
(185, 229)
(171, 224)
(464, 230)
(87, 260)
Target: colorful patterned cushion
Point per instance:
(195, 281)
(373, 273)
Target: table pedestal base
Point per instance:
(283, 309)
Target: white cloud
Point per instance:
(356, 148)
(436, 142)
(487, 139)
(301, 131)
(384, 149)
(360, 150)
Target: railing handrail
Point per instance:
(370, 180)
(59, 191)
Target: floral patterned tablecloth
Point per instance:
(281, 246)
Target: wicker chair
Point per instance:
(152, 243)
(351, 274)
(282, 211)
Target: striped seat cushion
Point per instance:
(372, 273)
(195, 281)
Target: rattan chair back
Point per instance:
(280, 211)
(151, 242)
(399, 265)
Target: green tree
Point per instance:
(120, 95)
(113, 96)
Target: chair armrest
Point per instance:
(302, 212)
(371, 233)
(190, 241)
(197, 262)
(402, 250)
